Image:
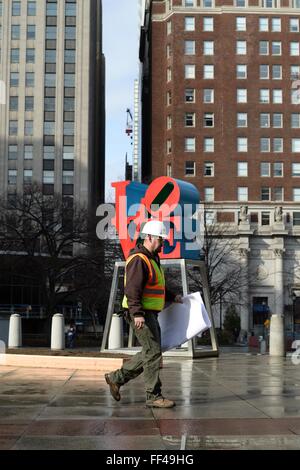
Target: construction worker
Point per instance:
(144, 298)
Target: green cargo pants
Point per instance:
(147, 361)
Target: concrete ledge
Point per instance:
(61, 362)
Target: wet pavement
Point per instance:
(236, 401)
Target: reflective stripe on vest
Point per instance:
(153, 297)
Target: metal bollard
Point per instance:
(15, 331)
(262, 345)
(58, 332)
(115, 339)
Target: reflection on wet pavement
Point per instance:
(237, 401)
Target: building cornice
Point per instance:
(226, 10)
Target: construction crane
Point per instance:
(129, 125)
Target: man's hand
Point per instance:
(178, 299)
(139, 322)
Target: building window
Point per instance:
(242, 169)
(296, 145)
(264, 95)
(295, 71)
(13, 103)
(208, 47)
(278, 169)
(241, 3)
(241, 95)
(169, 169)
(30, 32)
(48, 177)
(189, 47)
(294, 25)
(208, 71)
(31, 8)
(29, 81)
(296, 219)
(276, 72)
(276, 47)
(28, 129)
(294, 48)
(265, 218)
(189, 119)
(29, 103)
(296, 3)
(169, 74)
(208, 23)
(277, 96)
(209, 169)
(189, 23)
(209, 144)
(208, 3)
(68, 177)
(208, 95)
(264, 119)
(15, 32)
(189, 96)
(12, 152)
(242, 120)
(295, 120)
(190, 168)
(263, 47)
(16, 8)
(241, 47)
(209, 217)
(277, 120)
(241, 71)
(169, 27)
(240, 23)
(264, 72)
(265, 194)
(169, 122)
(30, 56)
(208, 120)
(263, 24)
(209, 194)
(265, 144)
(14, 79)
(28, 152)
(189, 3)
(265, 169)
(15, 56)
(277, 144)
(190, 144)
(296, 194)
(276, 25)
(278, 194)
(296, 169)
(13, 128)
(242, 144)
(242, 193)
(12, 176)
(169, 98)
(189, 71)
(27, 176)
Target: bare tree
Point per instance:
(54, 238)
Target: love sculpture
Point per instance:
(174, 202)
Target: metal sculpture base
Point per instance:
(191, 350)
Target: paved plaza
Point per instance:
(236, 401)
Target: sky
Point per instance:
(120, 47)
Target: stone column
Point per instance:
(245, 327)
(278, 287)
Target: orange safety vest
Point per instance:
(153, 297)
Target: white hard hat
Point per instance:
(156, 228)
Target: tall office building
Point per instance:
(221, 84)
(52, 126)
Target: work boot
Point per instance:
(114, 388)
(160, 402)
